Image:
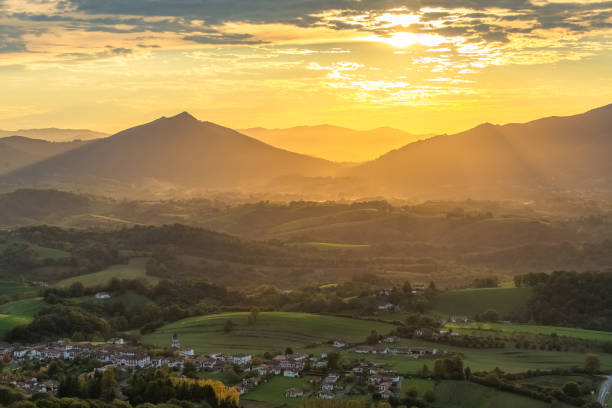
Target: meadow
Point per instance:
(134, 270)
(9, 288)
(469, 302)
(531, 329)
(463, 394)
(18, 313)
(273, 391)
(273, 331)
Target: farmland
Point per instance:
(461, 394)
(501, 328)
(469, 302)
(273, 331)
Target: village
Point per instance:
(326, 382)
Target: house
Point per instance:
(418, 288)
(294, 393)
(241, 359)
(291, 373)
(251, 382)
(326, 395)
(391, 339)
(459, 319)
(338, 343)
(364, 349)
(327, 386)
(320, 364)
(384, 386)
(386, 306)
(187, 352)
(241, 389)
(102, 295)
(386, 394)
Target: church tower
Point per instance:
(176, 343)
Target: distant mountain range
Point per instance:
(54, 134)
(335, 143)
(18, 151)
(181, 154)
(172, 153)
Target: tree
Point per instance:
(407, 288)
(76, 290)
(490, 315)
(333, 360)
(429, 396)
(190, 370)
(468, 373)
(228, 327)
(425, 372)
(288, 351)
(592, 364)
(253, 315)
(373, 338)
(571, 389)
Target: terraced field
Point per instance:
(273, 331)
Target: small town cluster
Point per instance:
(326, 383)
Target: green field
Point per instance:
(508, 359)
(273, 391)
(18, 313)
(17, 288)
(420, 384)
(41, 252)
(531, 329)
(131, 271)
(469, 302)
(274, 331)
(463, 394)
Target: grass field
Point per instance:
(274, 331)
(508, 359)
(421, 385)
(131, 271)
(463, 394)
(273, 392)
(41, 252)
(532, 329)
(18, 313)
(17, 288)
(472, 301)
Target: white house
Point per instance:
(102, 295)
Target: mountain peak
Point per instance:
(184, 116)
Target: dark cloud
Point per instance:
(10, 40)
(223, 39)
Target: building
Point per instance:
(102, 295)
(294, 393)
(338, 343)
(176, 343)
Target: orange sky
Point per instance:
(433, 66)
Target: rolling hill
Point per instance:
(18, 151)
(55, 134)
(177, 152)
(334, 142)
(551, 155)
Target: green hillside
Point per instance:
(469, 302)
(131, 271)
(273, 331)
(18, 313)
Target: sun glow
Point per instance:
(402, 40)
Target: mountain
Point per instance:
(335, 143)
(551, 155)
(18, 151)
(179, 152)
(54, 134)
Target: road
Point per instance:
(604, 390)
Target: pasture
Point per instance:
(501, 328)
(19, 313)
(134, 270)
(273, 331)
(9, 288)
(469, 302)
(273, 391)
(463, 394)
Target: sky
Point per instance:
(426, 66)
